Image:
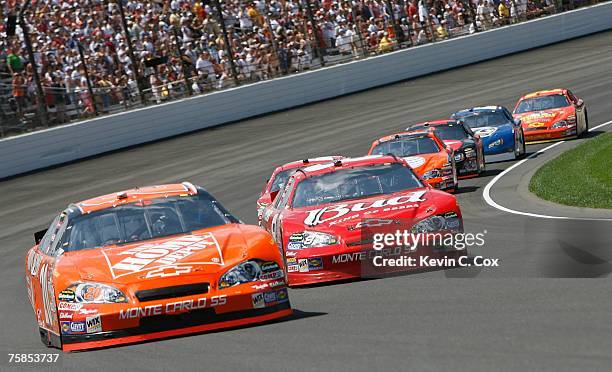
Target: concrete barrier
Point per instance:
(71, 142)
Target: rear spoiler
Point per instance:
(39, 235)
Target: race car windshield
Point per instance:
(354, 183)
(485, 119)
(407, 147)
(445, 132)
(143, 220)
(542, 103)
(281, 179)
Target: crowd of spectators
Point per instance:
(268, 38)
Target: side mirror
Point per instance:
(273, 195)
(477, 136)
(517, 122)
(449, 149)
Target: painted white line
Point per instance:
(486, 194)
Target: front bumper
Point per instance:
(144, 322)
(316, 266)
(467, 168)
(549, 134)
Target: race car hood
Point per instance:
(345, 219)
(543, 119)
(454, 144)
(426, 162)
(201, 253)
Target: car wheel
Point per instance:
(519, 147)
(481, 165)
(455, 179)
(586, 122)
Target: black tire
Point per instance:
(482, 166)
(521, 150)
(586, 123)
(455, 178)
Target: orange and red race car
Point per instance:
(323, 218)
(150, 263)
(425, 153)
(552, 115)
(468, 147)
(279, 178)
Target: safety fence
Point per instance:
(233, 55)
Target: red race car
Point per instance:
(552, 115)
(150, 263)
(427, 154)
(281, 174)
(322, 218)
(469, 152)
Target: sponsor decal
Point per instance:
(294, 246)
(291, 253)
(269, 297)
(269, 266)
(66, 295)
(73, 327)
(370, 222)
(66, 314)
(258, 300)
(88, 311)
(154, 256)
(315, 263)
(272, 275)
(34, 261)
(331, 213)
(303, 265)
(291, 261)
(276, 283)
(30, 292)
(48, 294)
(282, 295)
(168, 271)
(292, 268)
(259, 287)
(94, 324)
(297, 237)
(537, 125)
(69, 306)
(173, 307)
(415, 161)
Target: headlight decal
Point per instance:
(92, 293)
(251, 271)
(447, 221)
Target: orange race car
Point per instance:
(552, 115)
(149, 263)
(426, 153)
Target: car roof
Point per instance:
(308, 161)
(480, 109)
(137, 193)
(542, 93)
(345, 163)
(433, 123)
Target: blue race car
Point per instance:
(501, 134)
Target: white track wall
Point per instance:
(76, 141)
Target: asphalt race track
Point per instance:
(525, 314)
